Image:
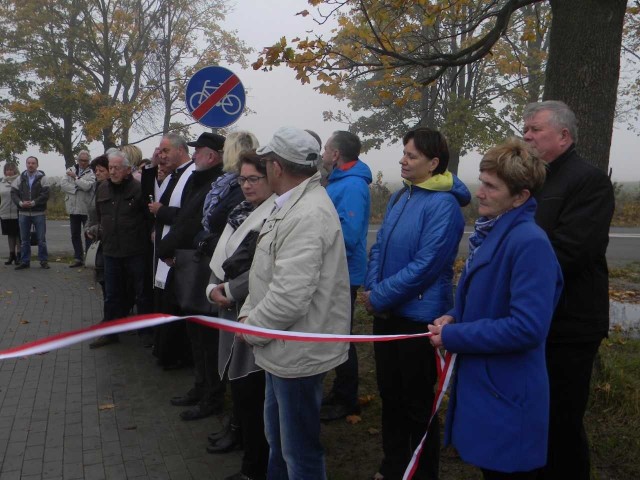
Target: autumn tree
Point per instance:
(575, 51)
(84, 70)
(461, 102)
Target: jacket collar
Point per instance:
(557, 164)
(296, 193)
(486, 252)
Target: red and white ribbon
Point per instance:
(151, 320)
(444, 361)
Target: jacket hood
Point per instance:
(446, 182)
(359, 169)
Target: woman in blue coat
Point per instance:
(408, 285)
(499, 407)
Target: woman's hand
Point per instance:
(217, 295)
(436, 329)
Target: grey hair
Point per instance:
(115, 153)
(178, 141)
(561, 115)
(293, 169)
(347, 143)
(84, 151)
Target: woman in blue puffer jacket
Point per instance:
(408, 285)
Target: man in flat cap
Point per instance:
(207, 394)
(299, 281)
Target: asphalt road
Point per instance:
(624, 243)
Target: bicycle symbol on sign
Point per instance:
(230, 103)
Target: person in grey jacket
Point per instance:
(78, 184)
(30, 192)
(299, 281)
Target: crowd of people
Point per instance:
(275, 236)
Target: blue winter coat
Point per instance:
(349, 192)
(498, 412)
(411, 264)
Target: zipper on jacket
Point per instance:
(409, 189)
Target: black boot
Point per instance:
(12, 259)
(229, 442)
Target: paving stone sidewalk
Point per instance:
(77, 413)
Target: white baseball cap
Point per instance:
(294, 145)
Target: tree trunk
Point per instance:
(584, 66)
(454, 161)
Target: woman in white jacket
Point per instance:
(230, 271)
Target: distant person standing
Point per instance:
(575, 207)
(9, 213)
(348, 188)
(30, 192)
(78, 184)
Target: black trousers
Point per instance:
(204, 348)
(248, 409)
(345, 385)
(569, 366)
(406, 374)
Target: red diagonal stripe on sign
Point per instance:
(213, 99)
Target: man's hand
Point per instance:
(154, 207)
(436, 329)
(71, 174)
(240, 336)
(169, 261)
(367, 302)
(218, 295)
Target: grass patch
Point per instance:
(629, 272)
(613, 415)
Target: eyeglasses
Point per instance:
(253, 179)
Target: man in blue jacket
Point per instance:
(348, 188)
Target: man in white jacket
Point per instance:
(299, 281)
(78, 185)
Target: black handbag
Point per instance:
(33, 238)
(191, 277)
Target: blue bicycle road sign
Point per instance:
(215, 96)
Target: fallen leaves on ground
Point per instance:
(365, 400)
(353, 419)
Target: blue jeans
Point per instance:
(292, 427)
(77, 223)
(40, 223)
(120, 275)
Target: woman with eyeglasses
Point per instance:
(228, 289)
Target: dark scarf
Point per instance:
(239, 214)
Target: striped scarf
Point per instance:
(482, 228)
(219, 189)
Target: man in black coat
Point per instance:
(575, 207)
(207, 395)
(124, 233)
